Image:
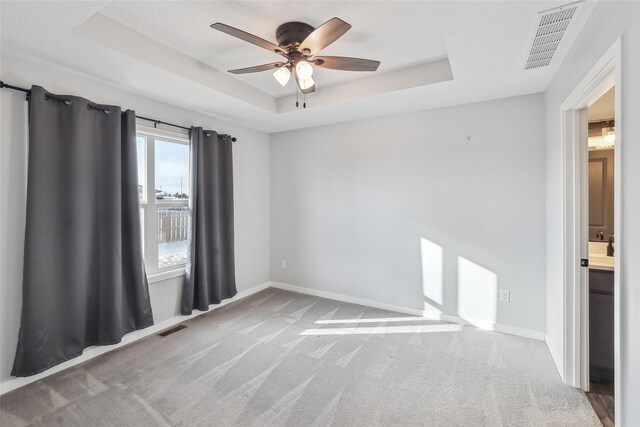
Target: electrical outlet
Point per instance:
(283, 264)
(505, 295)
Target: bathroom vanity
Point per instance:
(601, 317)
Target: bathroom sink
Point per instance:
(601, 262)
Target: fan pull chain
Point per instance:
(304, 99)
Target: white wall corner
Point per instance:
(557, 360)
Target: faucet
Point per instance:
(610, 246)
(600, 235)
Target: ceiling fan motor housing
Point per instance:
(291, 34)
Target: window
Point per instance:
(163, 175)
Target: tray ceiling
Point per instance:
(433, 54)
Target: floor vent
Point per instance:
(553, 23)
(172, 330)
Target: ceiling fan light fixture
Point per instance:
(306, 84)
(299, 43)
(282, 75)
(304, 70)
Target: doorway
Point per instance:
(601, 79)
(601, 249)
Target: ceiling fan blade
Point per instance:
(257, 68)
(346, 63)
(324, 35)
(310, 89)
(243, 35)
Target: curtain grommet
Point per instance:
(66, 101)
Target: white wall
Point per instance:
(405, 210)
(609, 21)
(251, 189)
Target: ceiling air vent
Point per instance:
(553, 23)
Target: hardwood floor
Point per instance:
(601, 397)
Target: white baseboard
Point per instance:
(92, 352)
(349, 299)
(507, 329)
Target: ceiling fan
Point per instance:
(299, 43)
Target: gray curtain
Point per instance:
(210, 272)
(84, 278)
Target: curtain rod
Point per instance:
(156, 122)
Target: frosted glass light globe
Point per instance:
(282, 75)
(304, 70)
(306, 84)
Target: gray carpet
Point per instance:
(279, 358)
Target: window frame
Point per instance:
(150, 205)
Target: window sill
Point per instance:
(164, 275)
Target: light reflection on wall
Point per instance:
(432, 274)
(477, 292)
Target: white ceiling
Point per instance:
(433, 54)
(368, 38)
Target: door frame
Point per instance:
(606, 73)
